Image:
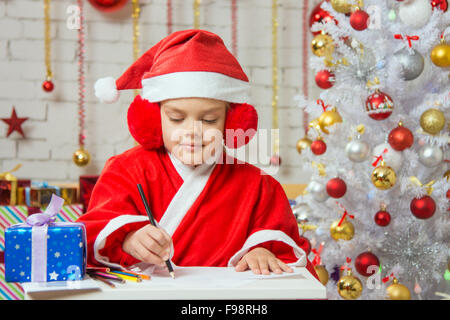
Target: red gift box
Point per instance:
(6, 187)
(87, 184)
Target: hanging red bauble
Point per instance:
(48, 86)
(364, 261)
(108, 5)
(336, 188)
(359, 20)
(320, 15)
(400, 138)
(318, 147)
(379, 105)
(325, 79)
(440, 4)
(423, 208)
(14, 123)
(382, 218)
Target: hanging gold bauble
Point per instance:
(397, 291)
(81, 157)
(440, 55)
(303, 143)
(447, 175)
(322, 45)
(432, 121)
(322, 273)
(342, 6)
(349, 287)
(329, 118)
(345, 231)
(383, 177)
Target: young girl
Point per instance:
(212, 209)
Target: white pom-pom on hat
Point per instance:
(106, 90)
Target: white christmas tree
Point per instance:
(377, 147)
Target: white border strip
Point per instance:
(269, 235)
(200, 84)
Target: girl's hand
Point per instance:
(262, 261)
(148, 244)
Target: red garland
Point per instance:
(81, 78)
(234, 27)
(169, 17)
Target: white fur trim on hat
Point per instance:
(200, 84)
(106, 90)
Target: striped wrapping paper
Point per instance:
(10, 215)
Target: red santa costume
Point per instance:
(215, 212)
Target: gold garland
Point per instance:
(47, 39)
(196, 7)
(135, 15)
(276, 142)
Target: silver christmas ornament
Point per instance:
(412, 63)
(318, 191)
(430, 156)
(357, 150)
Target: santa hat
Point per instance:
(187, 63)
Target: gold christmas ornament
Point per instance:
(398, 291)
(329, 118)
(322, 273)
(342, 6)
(322, 45)
(383, 177)
(349, 287)
(303, 143)
(81, 157)
(345, 231)
(432, 121)
(440, 55)
(447, 176)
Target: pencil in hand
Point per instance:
(152, 221)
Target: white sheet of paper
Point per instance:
(210, 276)
(85, 284)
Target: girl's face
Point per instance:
(193, 128)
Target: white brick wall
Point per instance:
(52, 128)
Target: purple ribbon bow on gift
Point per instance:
(49, 215)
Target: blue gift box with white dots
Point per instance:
(66, 253)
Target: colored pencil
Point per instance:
(125, 277)
(103, 269)
(130, 273)
(152, 220)
(96, 277)
(108, 276)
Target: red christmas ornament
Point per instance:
(320, 15)
(359, 20)
(440, 4)
(379, 105)
(382, 218)
(364, 261)
(275, 160)
(108, 5)
(48, 86)
(401, 138)
(318, 147)
(15, 123)
(325, 79)
(336, 188)
(423, 208)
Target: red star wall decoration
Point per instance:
(15, 123)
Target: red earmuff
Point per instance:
(144, 123)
